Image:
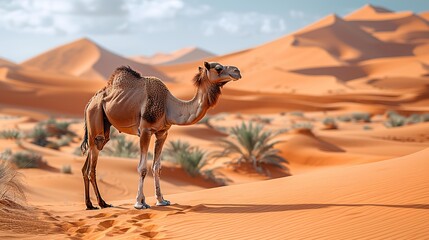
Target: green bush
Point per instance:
(251, 144)
(361, 117)
(367, 127)
(10, 134)
(119, 146)
(57, 129)
(330, 123)
(6, 154)
(66, 169)
(39, 135)
(64, 140)
(297, 114)
(394, 119)
(344, 118)
(302, 125)
(26, 159)
(191, 159)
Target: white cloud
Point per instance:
(160, 9)
(245, 24)
(297, 14)
(92, 16)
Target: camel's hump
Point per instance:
(123, 73)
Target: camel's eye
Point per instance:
(219, 68)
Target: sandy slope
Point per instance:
(386, 199)
(55, 93)
(183, 55)
(348, 183)
(86, 59)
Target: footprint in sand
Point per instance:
(144, 216)
(106, 224)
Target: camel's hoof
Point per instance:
(141, 206)
(91, 208)
(163, 203)
(106, 205)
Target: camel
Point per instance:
(143, 106)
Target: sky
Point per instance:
(145, 27)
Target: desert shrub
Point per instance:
(367, 127)
(262, 120)
(424, 117)
(66, 169)
(25, 159)
(394, 119)
(119, 146)
(251, 144)
(5, 154)
(302, 125)
(344, 118)
(413, 119)
(191, 159)
(39, 135)
(329, 123)
(11, 187)
(57, 129)
(64, 140)
(78, 152)
(297, 114)
(361, 117)
(10, 134)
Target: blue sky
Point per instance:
(134, 27)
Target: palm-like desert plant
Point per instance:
(121, 147)
(191, 159)
(250, 143)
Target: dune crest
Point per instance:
(85, 58)
(183, 55)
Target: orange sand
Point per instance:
(347, 183)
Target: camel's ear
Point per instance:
(199, 69)
(207, 65)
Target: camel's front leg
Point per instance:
(142, 168)
(156, 168)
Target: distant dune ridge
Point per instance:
(86, 59)
(359, 53)
(327, 56)
(6, 63)
(183, 55)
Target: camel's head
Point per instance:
(219, 74)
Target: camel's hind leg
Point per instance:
(85, 171)
(98, 134)
(93, 178)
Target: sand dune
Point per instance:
(425, 15)
(179, 56)
(402, 27)
(6, 63)
(344, 202)
(20, 86)
(361, 180)
(84, 58)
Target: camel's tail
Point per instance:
(84, 145)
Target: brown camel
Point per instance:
(144, 106)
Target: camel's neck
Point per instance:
(181, 112)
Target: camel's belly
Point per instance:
(123, 109)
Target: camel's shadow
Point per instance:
(265, 208)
